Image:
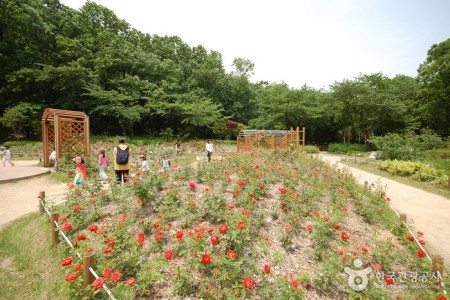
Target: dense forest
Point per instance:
(134, 83)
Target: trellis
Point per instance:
(63, 126)
(249, 140)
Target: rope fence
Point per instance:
(367, 161)
(89, 275)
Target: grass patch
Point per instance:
(29, 265)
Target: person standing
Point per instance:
(52, 158)
(178, 147)
(7, 156)
(121, 161)
(166, 163)
(209, 149)
(102, 164)
(80, 171)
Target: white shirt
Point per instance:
(52, 155)
(209, 147)
(145, 167)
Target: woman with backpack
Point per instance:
(122, 154)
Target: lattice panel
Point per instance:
(68, 132)
(51, 140)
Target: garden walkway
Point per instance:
(426, 212)
(19, 187)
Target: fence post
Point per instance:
(366, 184)
(437, 264)
(88, 277)
(41, 202)
(55, 233)
(402, 220)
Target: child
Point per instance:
(102, 164)
(178, 147)
(144, 168)
(166, 163)
(52, 158)
(7, 156)
(80, 171)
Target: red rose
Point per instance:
(71, 277)
(295, 284)
(158, 236)
(67, 262)
(421, 253)
(168, 254)
(261, 186)
(192, 185)
(282, 190)
(110, 242)
(214, 239)
(78, 267)
(76, 208)
(98, 283)
(336, 226)
(364, 249)
(107, 250)
(107, 273)
(248, 283)
(231, 254)
(388, 280)
(67, 226)
(115, 276)
(344, 235)
(235, 194)
(309, 227)
(422, 242)
(411, 238)
(223, 228)
(93, 228)
(206, 259)
(62, 219)
(131, 281)
(81, 237)
(179, 235)
(241, 225)
(377, 267)
(267, 269)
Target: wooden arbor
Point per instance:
(249, 140)
(62, 126)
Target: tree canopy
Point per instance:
(131, 82)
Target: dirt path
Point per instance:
(427, 212)
(20, 197)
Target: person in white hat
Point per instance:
(144, 168)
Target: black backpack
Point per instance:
(122, 156)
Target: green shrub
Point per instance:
(311, 149)
(347, 148)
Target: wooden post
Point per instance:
(88, 278)
(366, 185)
(402, 220)
(55, 233)
(395, 170)
(303, 139)
(437, 264)
(41, 202)
(383, 195)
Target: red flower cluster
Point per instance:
(248, 283)
(206, 259)
(67, 262)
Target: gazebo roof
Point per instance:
(253, 132)
(49, 114)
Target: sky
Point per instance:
(298, 42)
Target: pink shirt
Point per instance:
(102, 161)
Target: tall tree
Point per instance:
(434, 91)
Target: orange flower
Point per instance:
(115, 276)
(131, 281)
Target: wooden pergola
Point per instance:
(62, 126)
(249, 140)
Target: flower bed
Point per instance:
(257, 226)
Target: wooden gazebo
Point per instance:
(249, 140)
(62, 126)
